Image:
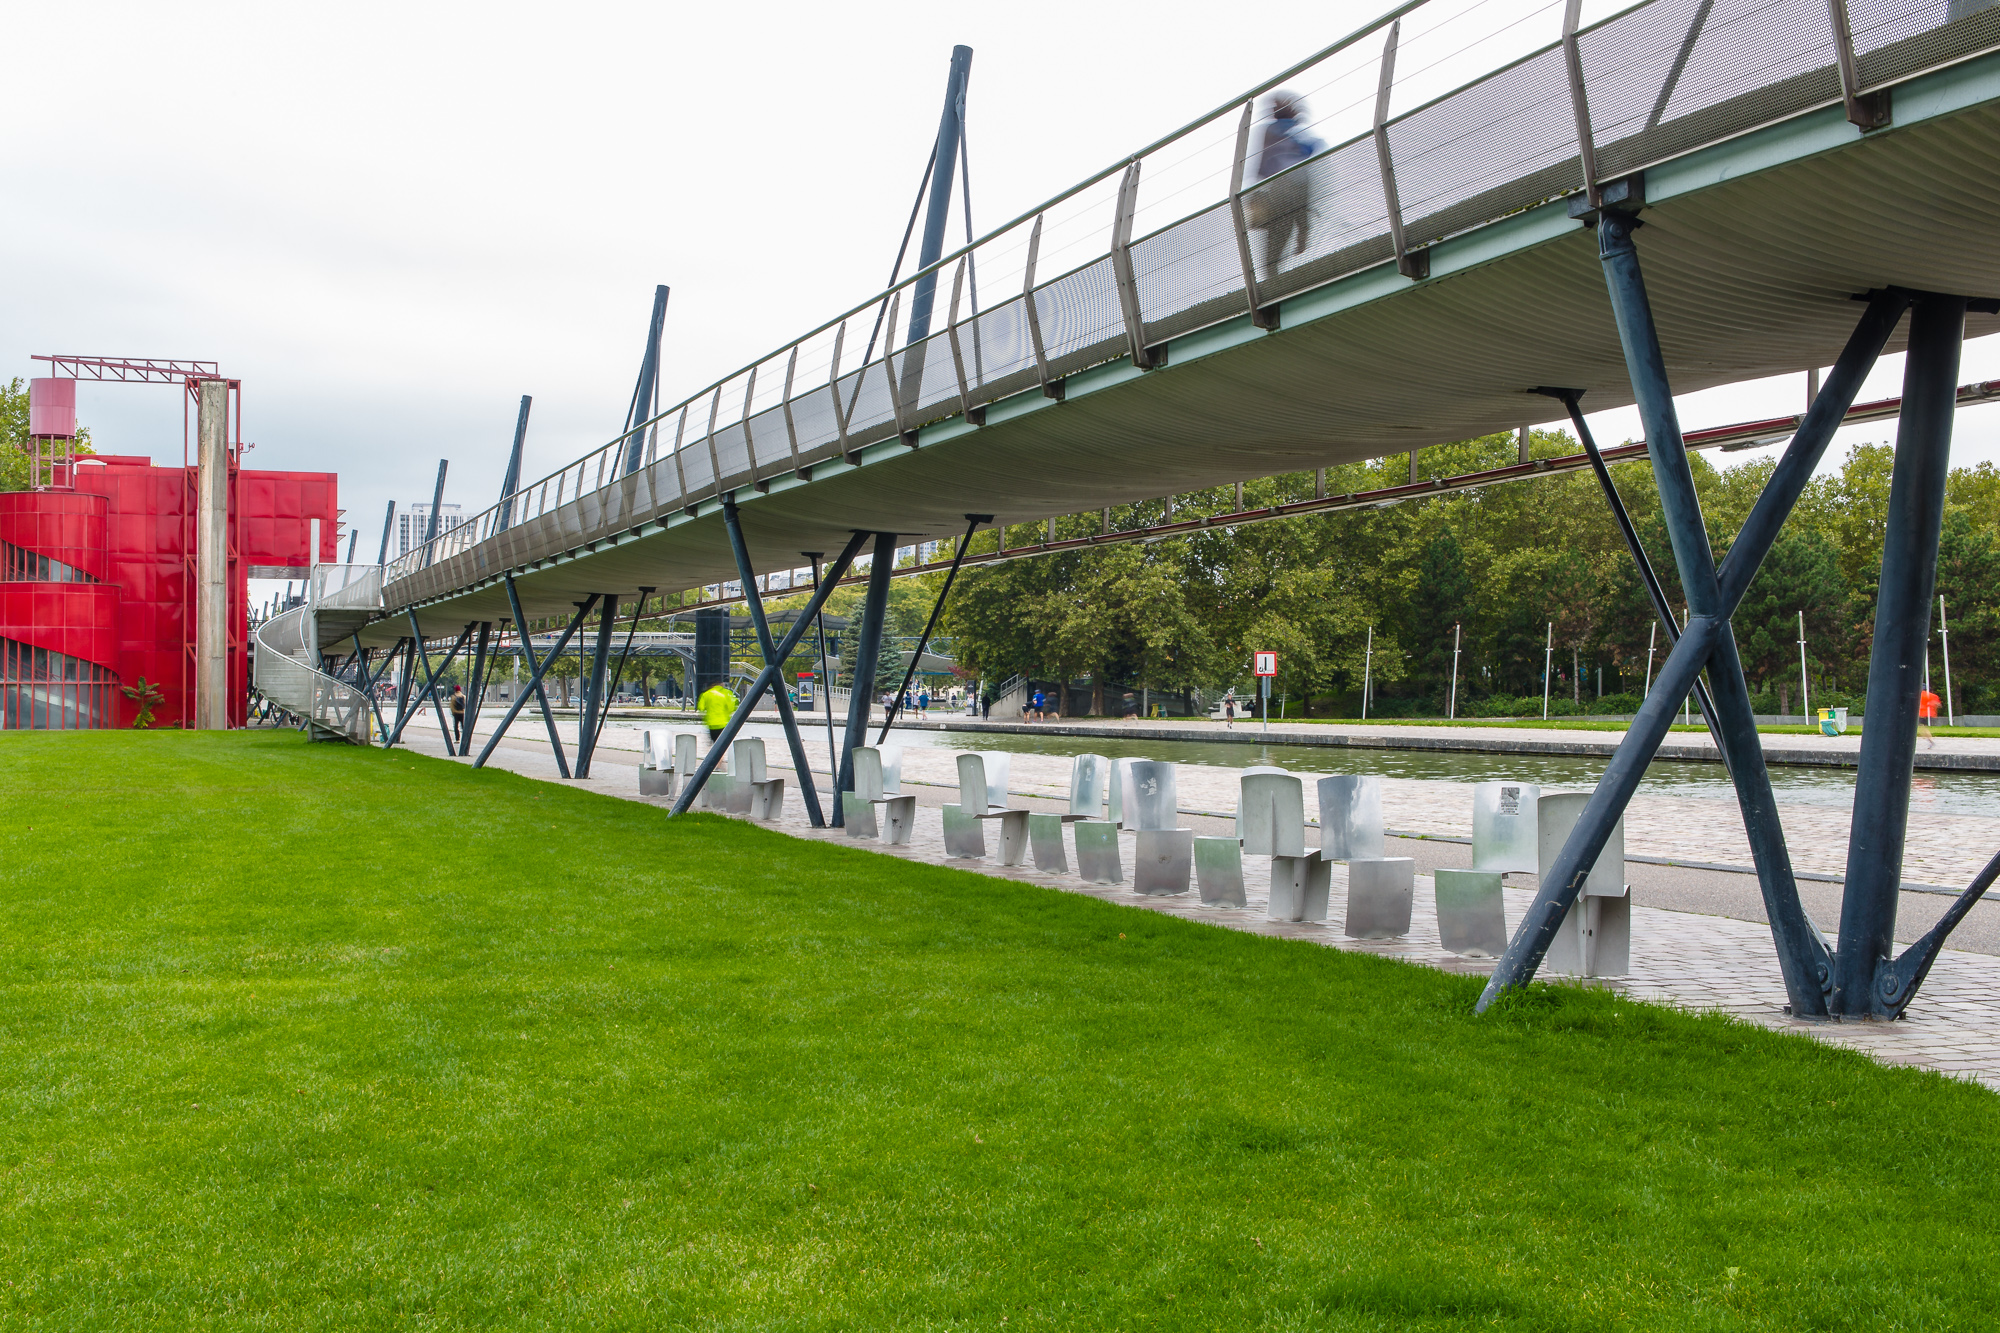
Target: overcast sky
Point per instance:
(390, 221)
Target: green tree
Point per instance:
(1801, 574)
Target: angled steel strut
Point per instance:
(896, 704)
(1707, 642)
(1570, 399)
(753, 601)
(618, 675)
(591, 706)
(867, 656)
(537, 670)
(773, 668)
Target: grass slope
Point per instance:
(318, 1037)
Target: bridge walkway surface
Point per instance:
(1716, 957)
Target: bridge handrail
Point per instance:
(345, 587)
(1656, 91)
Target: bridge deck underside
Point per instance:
(1751, 276)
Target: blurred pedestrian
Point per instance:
(1927, 711)
(1229, 710)
(1282, 209)
(458, 713)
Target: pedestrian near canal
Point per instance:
(1229, 711)
(716, 705)
(1927, 711)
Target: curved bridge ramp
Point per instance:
(332, 710)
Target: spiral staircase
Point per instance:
(282, 670)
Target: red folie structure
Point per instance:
(97, 580)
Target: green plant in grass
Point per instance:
(147, 696)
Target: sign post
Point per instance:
(1264, 665)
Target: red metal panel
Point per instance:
(277, 509)
(78, 619)
(69, 526)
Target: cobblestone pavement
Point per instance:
(1692, 961)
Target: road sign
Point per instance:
(1266, 664)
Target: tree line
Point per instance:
(1523, 571)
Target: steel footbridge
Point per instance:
(1687, 194)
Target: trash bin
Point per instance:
(1833, 721)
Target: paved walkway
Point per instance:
(1978, 753)
(1695, 961)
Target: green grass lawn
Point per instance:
(310, 1036)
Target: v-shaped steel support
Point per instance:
(774, 665)
(422, 655)
(754, 602)
(1707, 643)
(537, 671)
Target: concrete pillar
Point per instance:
(1523, 434)
(211, 610)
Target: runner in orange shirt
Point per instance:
(1927, 711)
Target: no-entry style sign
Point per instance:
(1266, 664)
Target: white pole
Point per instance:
(1548, 660)
(1452, 712)
(1687, 704)
(1367, 667)
(1944, 632)
(1805, 688)
(1651, 631)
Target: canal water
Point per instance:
(1933, 792)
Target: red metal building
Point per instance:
(97, 585)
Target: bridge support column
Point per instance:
(591, 701)
(1866, 981)
(369, 680)
(430, 682)
(767, 676)
(537, 670)
(753, 601)
(937, 608)
(867, 655)
(475, 693)
(1707, 642)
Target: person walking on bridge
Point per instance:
(1282, 210)
(717, 705)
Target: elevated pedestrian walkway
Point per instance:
(1451, 269)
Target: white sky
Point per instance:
(390, 221)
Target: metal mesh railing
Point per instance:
(346, 587)
(283, 677)
(1657, 80)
